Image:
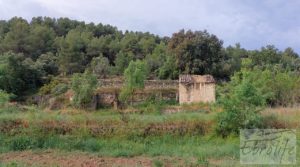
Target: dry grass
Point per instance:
(283, 111)
(287, 115)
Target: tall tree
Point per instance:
(16, 40)
(72, 50)
(16, 75)
(122, 61)
(196, 52)
(40, 39)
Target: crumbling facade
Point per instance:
(196, 88)
(188, 89)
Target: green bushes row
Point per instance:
(248, 92)
(277, 87)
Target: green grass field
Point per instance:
(188, 135)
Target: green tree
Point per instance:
(279, 88)
(135, 76)
(169, 69)
(100, 66)
(40, 40)
(16, 75)
(266, 57)
(130, 44)
(83, 86)
(241, 109)
(16, 40)
(196, 52)
(72, 50)
(48, 63)
(290, 60)
(64, 25)
(4, 28)
(105, 45)
(122, 61)
(147, 44)
(155, 60)
(235, 56)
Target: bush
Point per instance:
(100, 66)
(47, 88)
(83, 86)
(18, 75)
(241, 109)
(4, 98)
(59, 89)
(276, 86)
(135, 76)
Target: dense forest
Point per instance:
(32, 53)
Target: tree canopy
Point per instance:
(47, 47)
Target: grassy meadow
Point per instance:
(186, 138)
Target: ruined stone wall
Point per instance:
(149, 84)
(189, 89)
(196, 88)
(208, 93)
(109, 90)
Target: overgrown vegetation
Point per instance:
(105, 133)
(45, 53)
(135, 76)
(279, 87)
(83, 86)
(32, 53)
(242, 108)
(4, 98)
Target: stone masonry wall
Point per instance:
(109, 90)
(149, 84)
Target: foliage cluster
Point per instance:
(83, 86)
(135, 76)
(4, 98)
(242, 106)
(31, 53)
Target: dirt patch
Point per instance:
(50, 158)
(77, 159)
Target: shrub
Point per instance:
(241, 109)
(276, 86)
(47, 88)
(100, 66)
(59, 89)
(4, 98)
(83, 86)
(18, 75)
(135, 76)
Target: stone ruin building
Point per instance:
(196, 88)
(188, 89)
